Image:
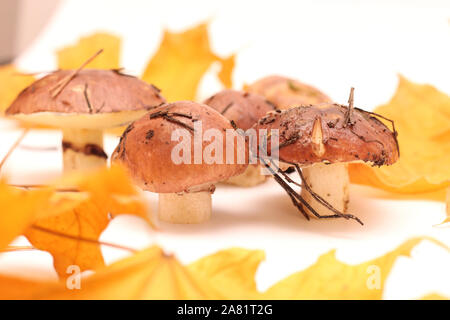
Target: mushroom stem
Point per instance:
(252, 176)
(331, 182)
(83, 149)
(185, 208)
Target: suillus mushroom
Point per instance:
(83, 103)
(166, 153)
(244, 109)
(286, 93)
(321, 140)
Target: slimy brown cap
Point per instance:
(321, 133)
(286, 93)
(244, 108)
(146, 149)
(89, 92)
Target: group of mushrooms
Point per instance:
(317, 138)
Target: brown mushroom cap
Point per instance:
(86, 99)
(286, 93)
(310, 134)
(145, 149)
(244, 108)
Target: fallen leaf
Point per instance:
(15, 288)
(448, 205)
(181, 61)
(148, 274)
(86, 221)
(110, 188)
(231, 271)
(18, 210)
(329, 278)
(71, 57)
(422, 118)
(226, 73)
(105, 191)
(12, 84)
(434, 296)
(152, 274)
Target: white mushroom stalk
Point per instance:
(330, 181)
(252, 176)
(185, 208)
(83, 149)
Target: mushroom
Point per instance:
(244, 109)
(83, 103)
(322, 140)
(150, 149)
(286, 93)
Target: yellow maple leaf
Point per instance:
(434, 296)
(64, 233)
(448, 205)
(110, 188)
(86, 221)
(71, 57)
(16, 288)
(329, 278)
(18, 210)
(231, 271)
(181, 61)
(12, 83)
(152, 274)
(225, 74)
(148, 274)
(422, 118)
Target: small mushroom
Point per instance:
(244, 109)
(322, 140)
(83, 105)
(147, 148)
(286, 93)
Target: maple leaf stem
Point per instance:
(39, 186)
(93, 241)
(18, 248)
(13, 147)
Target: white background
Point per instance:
(330, 44)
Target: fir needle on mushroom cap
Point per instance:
(244, 109)
(83, 103)
(322, 139)
(146, 149)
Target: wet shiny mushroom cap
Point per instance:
(311, 134)
(244, 108)
(90, 92)
(146, 149)
(286, 93)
